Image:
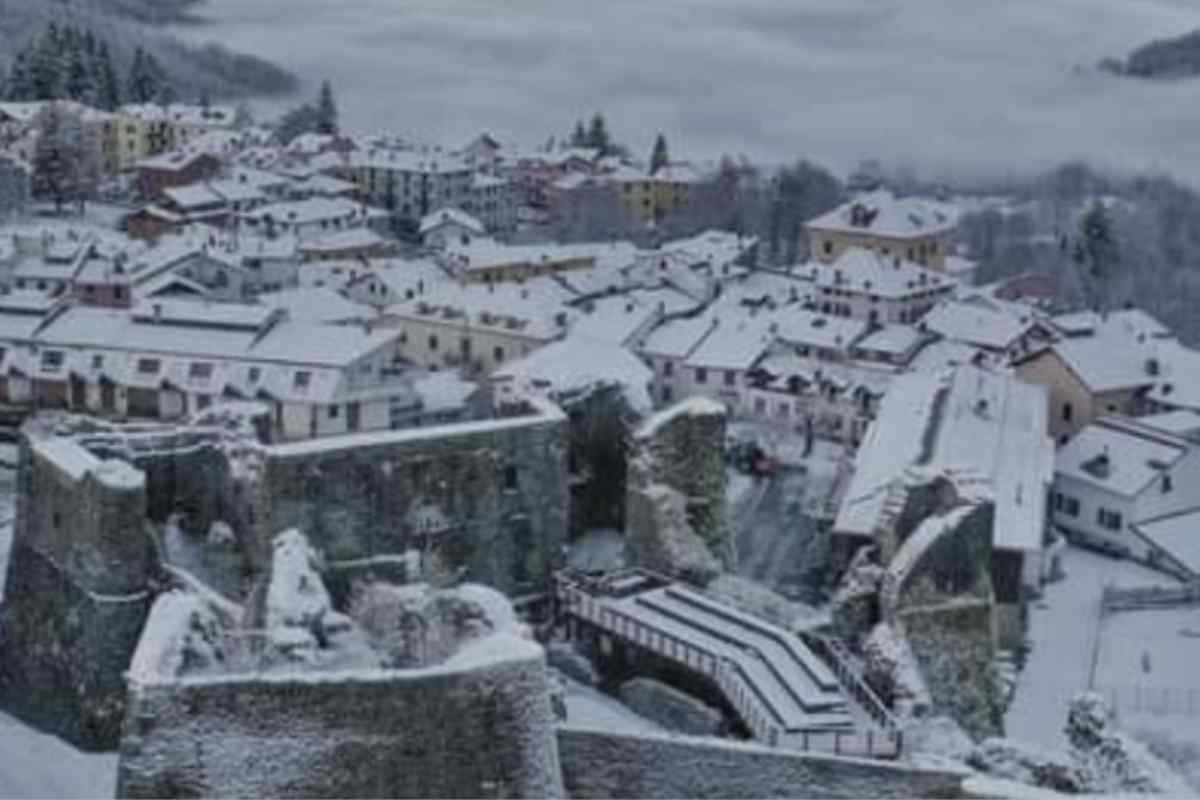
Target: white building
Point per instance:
(867, 285)
(445, 226)
(1132, 488)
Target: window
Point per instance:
(730, 377)
(510, 478)
(302, 379)
(254, 374)
(1109, 519)
(668, 368)
(1067, 412)
(1167, 484)
(433, 343)
(827, 246)
(334, 410)
(52, 360)
(118, 293)
(148, 366)
(701, 375)
(200, 370)
(498, 354)
(666, 394)
(97, 361)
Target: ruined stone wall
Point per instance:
(489, 498)
(955, 650)
(481, 731)
(684, 447)
(77, 590)
(597, 764)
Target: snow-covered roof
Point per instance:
(1120, 455)
(451, 216)
(1185, 423)
(1131, 324)
(1178, 383)
(339, 241)
(533, 309)
(173, 160)
(578, 363)
(733, 344)
(896, 340)
(1104, 364)
(236, 190)
(961, 419)
(1178, 535)
(965, 322)
(313, 210)
(867, 272)
(315, 304)
(616, 319)
(810, 329)
(678, 338)
(193, 195)
(881, 213)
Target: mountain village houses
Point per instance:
(332, 279)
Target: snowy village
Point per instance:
(349, 464)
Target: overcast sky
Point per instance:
(947, 85)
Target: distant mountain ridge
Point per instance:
(129, 24)
(1161, 59)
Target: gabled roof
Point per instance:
(450, 216)
(1103, 365)
(883, 214)
(867, 272)
(966, 322)
(1120, 455)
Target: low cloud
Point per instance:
(945, 85)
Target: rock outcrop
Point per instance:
(671, 708)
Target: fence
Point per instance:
(840, 660)
(1148, 597)
(1158, 701)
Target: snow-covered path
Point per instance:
(34, 764)
(1063, 628)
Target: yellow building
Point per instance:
(908, 228)
(650, 198)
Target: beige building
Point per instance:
(910, 228)
(1087, 378)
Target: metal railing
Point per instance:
(841, 662)
(764, 722)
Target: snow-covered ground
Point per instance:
(1064, 630)
(591, 708)
(34, 764)
(1147, 669)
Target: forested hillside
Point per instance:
(127, 25)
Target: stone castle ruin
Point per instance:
(406, 691)
(919, 605)
(109, 516)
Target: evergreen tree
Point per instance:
(579, 138)
(146, 78)
(80, 78)
(19, 86)
(659, 158)
(327, 113)
(46, 66)
(298, 121)
(108, 88)
(597, 135)
(66, 158)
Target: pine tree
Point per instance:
(67, 158)
(597, 136)
(80, 80)
(146, 78)
(242, 118)
(46, 67)
(327, 113)
(659, 158)
(108, 88)
(580, 137)
(19, 86)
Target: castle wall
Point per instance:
(597, 764)
(489, 497)
(77, 590)
(479, 727)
